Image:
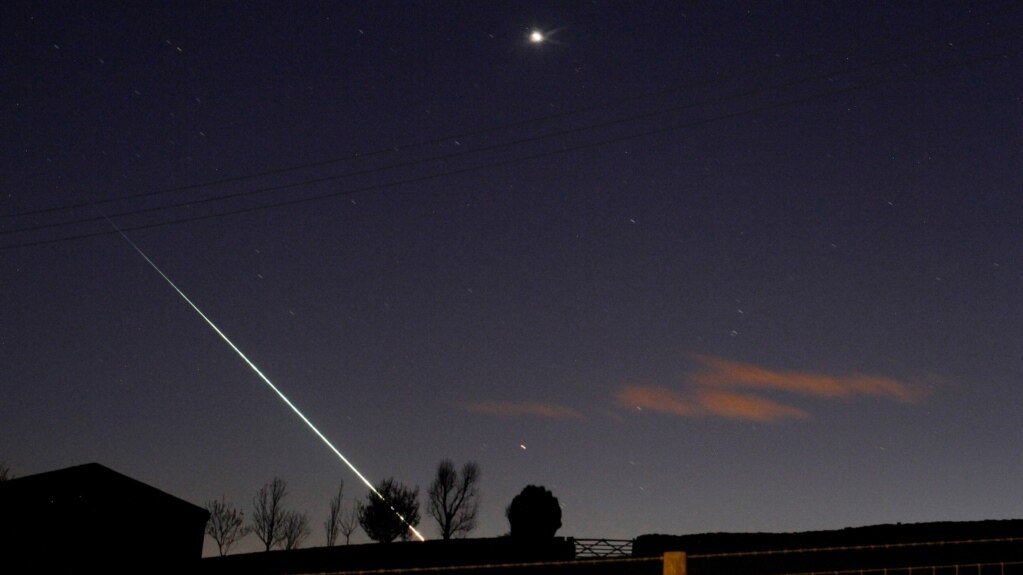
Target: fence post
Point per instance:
(674, 563)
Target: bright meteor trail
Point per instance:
(266, 380)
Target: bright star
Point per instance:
(536, 37)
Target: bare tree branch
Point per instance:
(225, 524)
(268, 512)
(294, 529)
(333, 523)
(454, 498)
(349, 521)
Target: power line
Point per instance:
(535, 156)
(493, 147)
(718, 78)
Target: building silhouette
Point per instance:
(91, 519)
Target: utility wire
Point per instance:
(591, 145)
(558, 133)
(718, 78)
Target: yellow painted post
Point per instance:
(674, 563)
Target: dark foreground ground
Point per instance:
(947, 548)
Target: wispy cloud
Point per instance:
(522, 409)
(657, 399)
(729, 389)
(705, 403)
(748, 407)
(722, 373)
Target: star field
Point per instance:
(743, 267)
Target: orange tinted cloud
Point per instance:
(522, 409)
(706, 403)
(727, 389)
(748, 407)
(731, 374)
(658, 399)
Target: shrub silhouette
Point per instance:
(534, 514)
(388, 516)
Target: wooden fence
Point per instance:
(595, 548)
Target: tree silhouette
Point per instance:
(225, 524)
(5, 472)
(534, 514)
(350, 521)
(332, 525)
(268, 512)
(294, 528)
(381, 517)
(454, 500)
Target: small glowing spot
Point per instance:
(523, 446)
(536, 37)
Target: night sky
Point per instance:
(691, 266)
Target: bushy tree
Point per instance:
(454, 499)
(225, 526)
(388, 516)
(534, 514)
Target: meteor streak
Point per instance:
(265, 379)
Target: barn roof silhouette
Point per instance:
(90, 517)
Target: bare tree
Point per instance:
(5, 472)
(333, 523)
(294, 529)
(268, 512)
(455, 499)
(225, 524)
(388, 516)
(349, 521)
